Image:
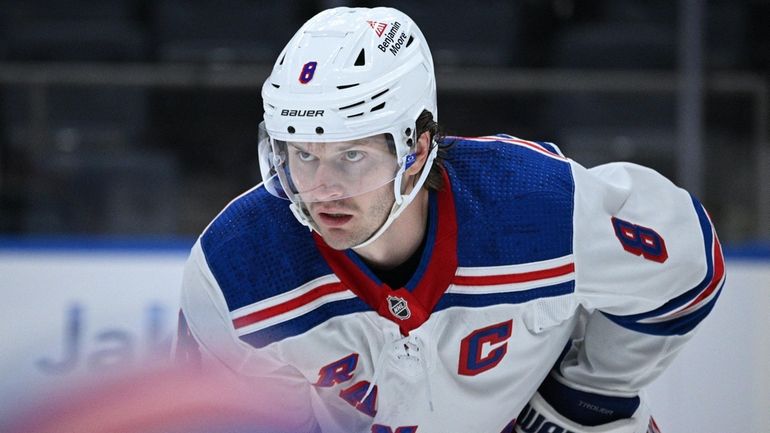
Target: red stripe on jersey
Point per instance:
(713, 285)
(289, 305)
(719, 272)
(530, 144)
(652, 427)
(523, 277)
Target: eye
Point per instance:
(304, 156)
(354, 155)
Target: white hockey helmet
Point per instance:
(348, 74)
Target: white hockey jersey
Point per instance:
(532, 262)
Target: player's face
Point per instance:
(323, 172)
(349, 222)
(346, 186)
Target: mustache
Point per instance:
(332, 206)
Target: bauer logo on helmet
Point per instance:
(302, 113)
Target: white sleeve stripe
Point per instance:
(485, 271)
(688, 310)
(295, 312)
(712, 286)
(704, 296)
(284, 297)
(510, 287)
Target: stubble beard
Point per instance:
(365, 224)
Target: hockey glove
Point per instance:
(582, 412)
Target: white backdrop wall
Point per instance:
(73, 314)
(720, 382)
(68, 315)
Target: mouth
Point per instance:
(332, 219)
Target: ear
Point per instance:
(422, 148)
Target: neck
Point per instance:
(401, 239)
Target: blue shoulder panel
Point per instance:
(514, 201)
(256, 249)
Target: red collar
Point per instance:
(407, 309)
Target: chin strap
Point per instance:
(403, 200)
(399, 205)
(299, 214)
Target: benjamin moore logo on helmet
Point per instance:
(302, 113)
(391, 43)
(378, 27)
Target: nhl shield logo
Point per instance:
(398, 307)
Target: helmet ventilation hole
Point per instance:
(409, 142)
(361, 59)
(290, 129)
(409, 42)
(408, 132)
(379, 107)
(319, 130)
(355, 104)
(380, 94)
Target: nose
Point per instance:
(326, 193)
(327, 184)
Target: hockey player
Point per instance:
(407, 282)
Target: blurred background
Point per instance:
(102, 98)
(127, 125)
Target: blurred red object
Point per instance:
(169, 400)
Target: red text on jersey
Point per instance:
(337, 372)
(341, 371)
